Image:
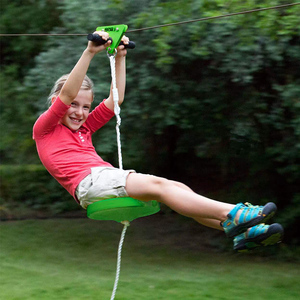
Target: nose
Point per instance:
(79, 111)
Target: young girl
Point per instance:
(63, 136)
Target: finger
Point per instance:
(103, 34)
(125, 40)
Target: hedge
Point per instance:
(31, 186)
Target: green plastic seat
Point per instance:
(121, 209)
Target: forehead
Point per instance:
(84, 97)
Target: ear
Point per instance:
(53, 99)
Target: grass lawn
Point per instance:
(76, 259)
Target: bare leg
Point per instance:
(210, 223)
(178, 197)
(207, 222)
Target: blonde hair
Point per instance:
(87, 84)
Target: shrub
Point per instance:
(32, 187)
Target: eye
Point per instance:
(86, 107)
(73, 104)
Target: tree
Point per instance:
(216, 103)
(17, 112)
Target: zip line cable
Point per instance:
(216, 17)
(159, 26)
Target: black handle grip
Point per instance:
(130, 45)
(96, 38)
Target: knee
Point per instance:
(163, 181)
(161, 185)
(182, 186)
(148, 187)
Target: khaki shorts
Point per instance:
(102, 183)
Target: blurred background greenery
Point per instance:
(213, 104)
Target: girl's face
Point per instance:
(77, 114)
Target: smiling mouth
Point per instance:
(77, 121)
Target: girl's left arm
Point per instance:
(73, 84)
(120, 75)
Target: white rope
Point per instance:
(126, 224)
(117, 109)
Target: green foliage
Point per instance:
(25, 16)
(213, 103)
(31, 186)
(17, 118)
(17, 103)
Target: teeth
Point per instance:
(75, 120)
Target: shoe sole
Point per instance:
(273, 236)
(268, 212)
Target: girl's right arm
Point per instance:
(46, 123)
(73, 84)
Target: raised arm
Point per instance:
(73, 84)
(120, 75)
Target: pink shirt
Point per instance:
(69, 155)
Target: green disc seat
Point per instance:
(121, 209)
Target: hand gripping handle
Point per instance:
(96, 38)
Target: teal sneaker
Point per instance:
(259, 235)
(250, 216)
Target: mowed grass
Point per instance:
(76, 259)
